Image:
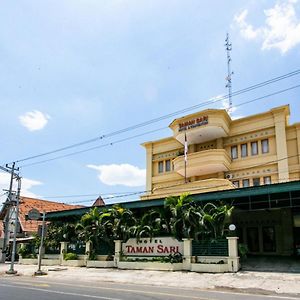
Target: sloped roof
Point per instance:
(99, 202)
(26, 204)
(1, 229)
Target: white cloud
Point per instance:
(123, 174)
(26, 185)
(246, 29)
(281, 30)
(34, 120)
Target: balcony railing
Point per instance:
(203, 163)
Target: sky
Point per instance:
(72, 71)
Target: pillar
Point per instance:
(279, 116)
(149, 163)
(63, 249)
(88, 249)
(298, 141)
(118, 249)
(187, 254)
(233, 254)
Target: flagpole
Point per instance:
(185, 156)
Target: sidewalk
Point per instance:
(256, 282)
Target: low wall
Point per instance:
(99, 264)
(149, 266)
(51, 256)
(210, 268)
(74, 263)
(210, 259)
(34, 261)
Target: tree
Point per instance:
(215, 218)
(89, 228)
(117, 222)
(151, 224)
(185, 219)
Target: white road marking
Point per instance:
(58, 292)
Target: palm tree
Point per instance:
(214, 218)
(117, 222)
(89, 228)
(151, 224)
(183, 215)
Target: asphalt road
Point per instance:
(41, 288)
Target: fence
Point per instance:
(215, 247)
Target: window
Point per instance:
(160, 166)
(254, 148)
(256, 181)
(245, 182)
(265, 146)
(267, 180)
(168, 165)
(234, 152)
(236, 183)
(244, 150)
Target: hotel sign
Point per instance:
(193, 123)
(162, 246)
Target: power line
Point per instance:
(129, 138)
(92, 148)
(205, 103)
(126, 194)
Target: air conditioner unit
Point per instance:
(229, 176)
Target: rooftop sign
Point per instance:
(193, 123)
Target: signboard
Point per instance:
(34, 214)
(193, 123)
(161, 246)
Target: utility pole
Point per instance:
(13, 255)
(39, 271)
(228, 46)
(8, 203)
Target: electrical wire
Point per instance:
(127, 194)
(92, 148)
(129, 138)
(205, 103)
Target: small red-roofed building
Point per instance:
(26, 228)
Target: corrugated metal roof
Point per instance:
(211, 196)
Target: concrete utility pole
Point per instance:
(39, 271)
(13, 255)
(8, 203)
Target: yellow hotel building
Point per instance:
(223, 153)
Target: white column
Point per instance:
(63, 249)
(187, 253)
(118, 249)
(233, 258)
(281, 145)
(88, 249)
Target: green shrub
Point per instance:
(243, 251)
(92, 255)
(27, 251)
(70, 256)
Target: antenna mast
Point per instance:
(228, 46)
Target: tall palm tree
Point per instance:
(151, 224)
(183, 215)
(215, 217)
(117, 222)
(89, 228)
